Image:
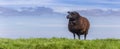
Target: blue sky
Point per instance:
(65, 4)
(47, 18)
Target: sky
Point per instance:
(65, 5)
(47, 18)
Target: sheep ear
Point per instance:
(68, 12)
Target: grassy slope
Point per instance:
(59, 43)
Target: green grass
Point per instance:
(58, 43)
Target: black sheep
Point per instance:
(77, 24)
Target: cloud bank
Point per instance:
(100, 12)
(37, 11)
(26, 11)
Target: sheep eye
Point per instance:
(72, 13)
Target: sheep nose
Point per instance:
(67, 17)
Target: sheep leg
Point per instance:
(78, 36)
(74, 35)
(85, 36)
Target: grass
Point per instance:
(58, 43)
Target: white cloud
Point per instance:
(105, 1)
(40, 25)
(52, 25)
(109, 26)
(62, 7)
(26, 2)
